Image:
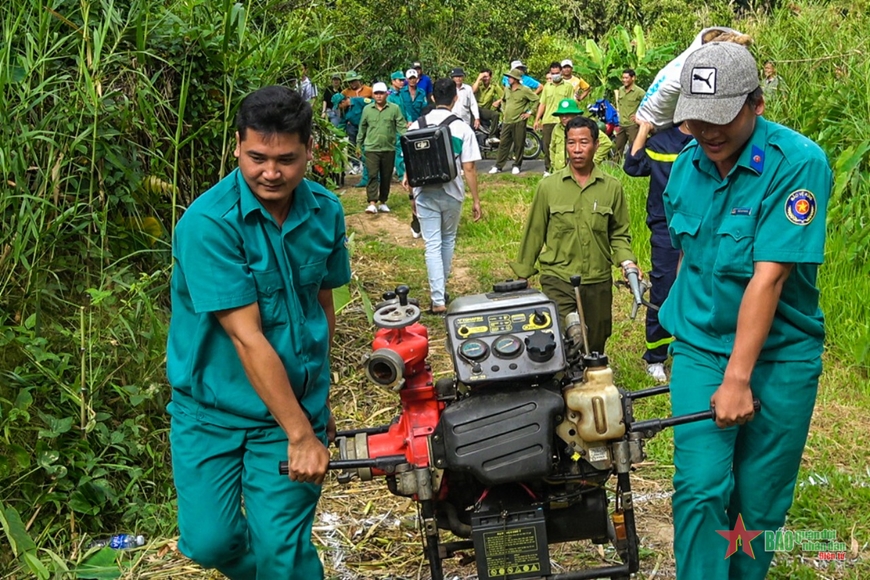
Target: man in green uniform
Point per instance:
(628, 99)
(518, 103)
(566, 111)
(380, 126)
(256, 259)
(581, 215)
(746, 205)
(487, 93)
(555, 91)
(397, 82)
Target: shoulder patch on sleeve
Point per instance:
(800, 207)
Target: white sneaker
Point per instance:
(354, 170)
(494, 170)
(657, 371)
(384, 208)
(515, 170)
(372, 208)
(415, 234)
(546, 174)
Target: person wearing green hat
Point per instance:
(518, 103)
(397, 82)
(566, 111)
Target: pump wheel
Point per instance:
(397, 316)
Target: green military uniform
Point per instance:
(229, 252)
(627, 106)
(378, 131)
(551, 96)
(486, 97)
(584, 231)
(770, 207)
(513, 130)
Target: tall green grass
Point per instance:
(113, 116)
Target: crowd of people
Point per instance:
(736, 207)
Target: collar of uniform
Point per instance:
(303, 199)
(751, 158)
(594, 176)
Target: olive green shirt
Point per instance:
(486, 96)
(378, 127)
(582, 230)
(516, 102)
(551, 96)
(629, 101)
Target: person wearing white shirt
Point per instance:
(466, 105)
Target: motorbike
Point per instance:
(532, 149)
(516, 450)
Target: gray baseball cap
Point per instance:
(714, 83)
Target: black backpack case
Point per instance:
(428, 153)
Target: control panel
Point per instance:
(509, 334)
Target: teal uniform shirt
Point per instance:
(412, 107)
(353, 113)
(229, 252)
(771, 207)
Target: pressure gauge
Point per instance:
(473, 349)
(507, 346)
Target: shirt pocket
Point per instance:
(736, 237)
(683, 229)
(562, 219)
(311, 275)
(600, 220)
(271, 297)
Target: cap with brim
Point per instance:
(568, 107)
(336, 76)
(398, 75)
(516, 73)
(416, 65)
(337, 98)
(714, 83)
(567, 62)
(516, 64)
(352, 75)
(379, 88)
(412, 73)
(457, 72)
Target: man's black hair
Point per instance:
(630, 72)
(444, 91)
(555, 64)
(754, 97)
(486, 70)
(272, 110)
(581, 121)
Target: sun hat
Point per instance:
(352, 75)
(457, 72)
(516, 73)
(568, 107)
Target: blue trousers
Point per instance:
(747, 470)
(214, 467)
(664, 271)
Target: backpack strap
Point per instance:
(448, 120)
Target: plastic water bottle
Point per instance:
(119, 542)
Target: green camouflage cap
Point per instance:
(568, 107)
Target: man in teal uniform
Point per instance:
(581, 216)
(746, 206)
(256, 259)
(397, 83)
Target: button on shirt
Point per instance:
(229, 252)
(585, 229)
(771, 207)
